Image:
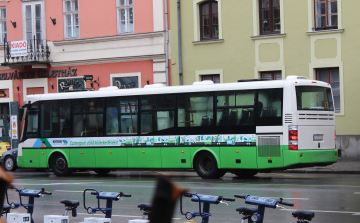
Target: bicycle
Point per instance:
(108, 196)
(256, 215)
(146, 208)
(206, 200)
(7, 207)
(31, 194)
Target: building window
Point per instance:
(209, 22)
(269, 16)
(33, 20)
(326, 14)
(331, 76)
(271, 75)
(71, 17)
(212, 77)
(125, 11)
(3, 28)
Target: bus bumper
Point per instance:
(307, 158)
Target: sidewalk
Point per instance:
(341, 166)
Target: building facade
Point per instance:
(56, 46)
(228, 40)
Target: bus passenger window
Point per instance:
(88, 116)
(235, 108)
(157, 113)
(55, 119)
(121, 115)
(269, 107)
(195, 109)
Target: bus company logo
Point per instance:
(65, 142)
(57, 141)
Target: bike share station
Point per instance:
(70, 205)
(253, 214)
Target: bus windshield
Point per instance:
(314, 98)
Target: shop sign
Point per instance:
(70, 72)
(126, 82)
(2, 94)
(70, 84)
(14, 133)
(18, 48)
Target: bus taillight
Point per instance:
(293, 137)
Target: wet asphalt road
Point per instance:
(333, 197)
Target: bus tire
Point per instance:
(59, 165)
(102, 171)
(221, 173)
(245, 173)
(205, 166)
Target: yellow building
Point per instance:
(228, 40)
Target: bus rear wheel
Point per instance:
(102, 172)
(59, 166)
(245, 173)
(205, 166)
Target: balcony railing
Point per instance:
(37, 53)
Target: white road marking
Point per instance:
(357, 193)
(53, 184)
(319, 211)
(69, 191)
(290, 198)
(123, 216)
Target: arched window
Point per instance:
(209, 25)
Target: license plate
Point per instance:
(318, 137)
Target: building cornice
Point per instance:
(109, 38)
(322, 32)
(107, 60)
(270, 36)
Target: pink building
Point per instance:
(49, 46)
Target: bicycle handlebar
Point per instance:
(124, 195)
(241, 196)
(45, 192)
(188, 194)
(285, 203)
(228, 199)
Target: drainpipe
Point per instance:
(166, 43)
(179, 44)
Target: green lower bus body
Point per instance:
(227, 157)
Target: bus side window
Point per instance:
(269, 107)
(157, 113)
(195, 109)
(88, 116)
(121, 115)
(235, 108)
(55, 119)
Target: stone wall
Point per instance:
(349, 146)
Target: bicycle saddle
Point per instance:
(246, 210)
(144, 207)
(70, 203)
(6, 208)
(306, 215)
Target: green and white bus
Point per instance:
(243, 128)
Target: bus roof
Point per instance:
(204, 86)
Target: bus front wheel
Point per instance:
(205, 166)
(245, 173)
(59, 166)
